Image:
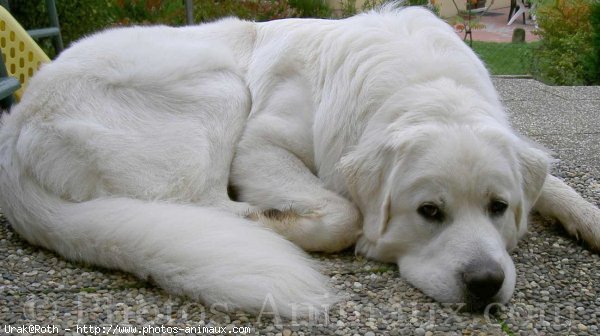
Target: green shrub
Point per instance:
(566, 55)
(595, 22)
(172, 12)
(77, 17)
(311, 8)
(83, 17)
(259, 10)
(347, 8)
(417, 2)
(143, 12)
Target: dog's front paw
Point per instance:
(585, 225)
(330, 228)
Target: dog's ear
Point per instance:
(534, 164)
(367, 170)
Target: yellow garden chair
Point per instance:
(22, 56)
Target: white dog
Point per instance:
(382, 130)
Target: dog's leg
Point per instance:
(579, 217)
(294, 202)
(271, 170)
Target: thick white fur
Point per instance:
(121, 151)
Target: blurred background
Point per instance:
(554, 41)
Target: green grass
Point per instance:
(506, 58)
(505, 328)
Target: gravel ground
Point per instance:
(556, 292)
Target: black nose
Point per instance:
(483, 280)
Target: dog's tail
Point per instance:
(207, 254)
(579, 217)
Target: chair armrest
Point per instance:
(8, 85)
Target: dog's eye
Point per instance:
(431, 212)
(497, 208)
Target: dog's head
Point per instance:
(446, 202)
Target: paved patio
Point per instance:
(557, 290)
(497, 30)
